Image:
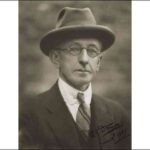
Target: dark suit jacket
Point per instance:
(46, 123)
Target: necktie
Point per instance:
(83, 116)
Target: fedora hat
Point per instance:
(75, 23)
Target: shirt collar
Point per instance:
(70, 94)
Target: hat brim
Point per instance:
(52, 38)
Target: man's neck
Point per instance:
(67, 91)
(83, 87)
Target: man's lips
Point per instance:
(82, 70)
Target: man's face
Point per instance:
(78, 70)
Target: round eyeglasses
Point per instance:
(92, 51)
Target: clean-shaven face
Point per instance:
(78, 70)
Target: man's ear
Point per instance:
(99, 63)
(54, 57)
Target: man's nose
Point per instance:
(83, 57)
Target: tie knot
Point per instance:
(80, 97)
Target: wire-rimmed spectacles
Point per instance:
(76, 50)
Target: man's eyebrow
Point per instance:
(96, 46)
(79, 44)
(92, 45)
(74, 43)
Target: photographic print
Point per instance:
(75, 75)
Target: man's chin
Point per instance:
(83, 81)
(79, 82)
(83, 74)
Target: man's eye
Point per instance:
(92, 50)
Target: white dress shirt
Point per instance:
(69, 95)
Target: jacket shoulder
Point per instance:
(32, 112)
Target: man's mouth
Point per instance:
(83, 70)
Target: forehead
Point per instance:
(82, 42)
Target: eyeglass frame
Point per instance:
(80, 50)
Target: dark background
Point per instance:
(36, 72)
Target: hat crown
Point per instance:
(76, 23)
(75, 16)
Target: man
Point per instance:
(69, 115)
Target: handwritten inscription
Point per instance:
(112, 132)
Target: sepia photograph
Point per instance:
(75, 75)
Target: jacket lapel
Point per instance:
(63, 125)
(61, 120)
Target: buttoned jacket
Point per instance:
(46, 123)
